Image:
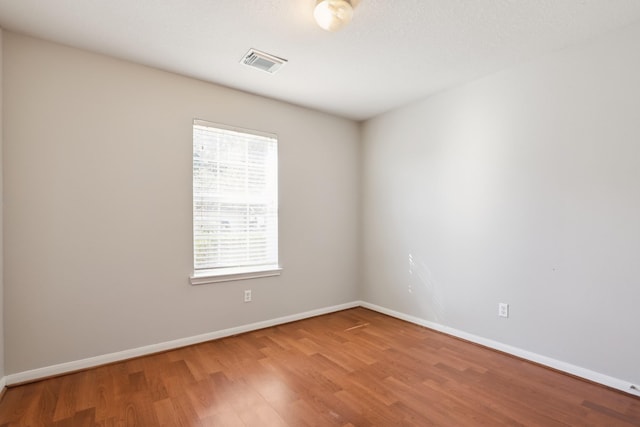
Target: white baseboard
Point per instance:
(578, 371)
(63, 368)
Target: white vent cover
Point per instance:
(262, 61)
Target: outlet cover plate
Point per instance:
(503, 309)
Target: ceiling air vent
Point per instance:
(263, 61)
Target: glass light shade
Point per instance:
(332, 15)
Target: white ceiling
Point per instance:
(394, 51)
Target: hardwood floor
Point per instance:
(351, 368)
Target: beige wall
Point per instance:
(520, 188)
(1, 222)
(98, 206)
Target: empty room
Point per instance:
(320, 213)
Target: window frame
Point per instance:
(224, 274)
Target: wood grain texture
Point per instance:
(351, 368)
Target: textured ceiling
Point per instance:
(394, 51)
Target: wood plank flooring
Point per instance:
(351, 368)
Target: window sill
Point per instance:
(229, 274)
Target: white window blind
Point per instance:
(235, 197)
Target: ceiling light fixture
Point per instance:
(332, 15)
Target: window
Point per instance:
(235, 203)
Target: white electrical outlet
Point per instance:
(247, 295)
(503, 309)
